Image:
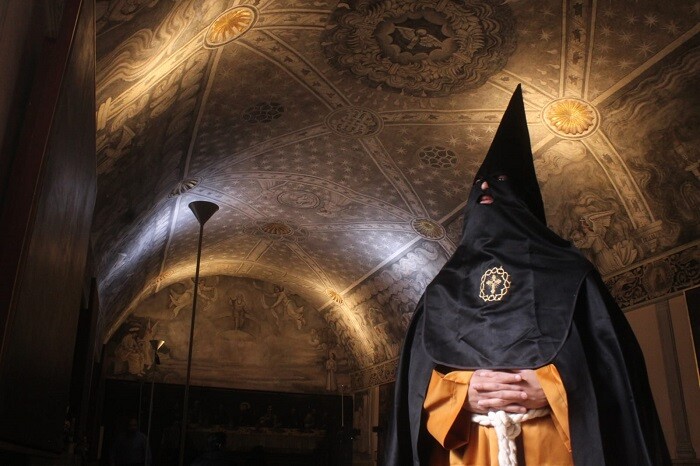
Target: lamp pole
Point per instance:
(342, 406)
(202, 210)
(155, 344)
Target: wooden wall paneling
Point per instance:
(46, 220)
(82, 380)
(25, 164)
(18, 55)
(684, 447)
(692, 297)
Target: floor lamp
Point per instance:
(156, 345)
(202, 210)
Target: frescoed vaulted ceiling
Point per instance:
(339, 139)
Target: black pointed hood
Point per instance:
(506, 297)
(510, 153)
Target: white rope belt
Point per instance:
(507, 427)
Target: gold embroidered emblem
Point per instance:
(495, 283)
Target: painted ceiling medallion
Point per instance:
(335, 296)
(421, 47)
(276, 228)
(571, 118)
(354, 122)
(230, 25)
(184, 186)
(428, 229)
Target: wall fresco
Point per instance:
(249, 334)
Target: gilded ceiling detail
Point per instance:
(571, 118)
(230, 25)
(339, 139)
(428, 229)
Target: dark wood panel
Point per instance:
(692, 298)
(40, 331)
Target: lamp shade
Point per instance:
(157, 344)
(203, 210)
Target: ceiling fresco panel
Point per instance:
(628, 35)
(439, 162)
(156, 148)
(586, 210)
(662, 108)
(402, 106)
(383, 304)
(148, 53)
(250, 101)
(338, 164)
(117, 20)
(539, 33)
(283, 256)
(305, 199)
(134, 268)
(423, 48)
(347, 255)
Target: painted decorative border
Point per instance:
(672, 273)
(376, 375)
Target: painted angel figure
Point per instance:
(284, 304)
(419, 36)
(590, 235)
(180, 301)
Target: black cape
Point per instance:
(514, 295)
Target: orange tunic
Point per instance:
(543, 441)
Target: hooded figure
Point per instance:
(516, 298)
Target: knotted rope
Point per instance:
(507, 427)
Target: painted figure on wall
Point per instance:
(130, 352)
(284, 306)
(590, 235)
(238, 311)
(331, 369)
(145, 343)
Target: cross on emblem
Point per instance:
(493, 282)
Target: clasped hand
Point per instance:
(513, 391)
